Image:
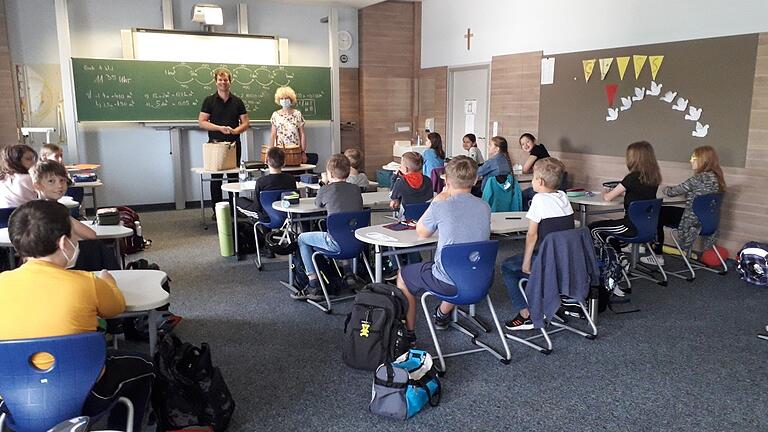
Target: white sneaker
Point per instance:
(628, 249)
(614, 287)
(651, 261)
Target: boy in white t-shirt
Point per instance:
(547, 203)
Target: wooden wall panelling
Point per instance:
(350, 107)
(757, 141)
(515, 91)
(387, 58)
(8, 122)
(433, 98)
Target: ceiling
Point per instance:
(358, 4)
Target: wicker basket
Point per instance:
(219, 156)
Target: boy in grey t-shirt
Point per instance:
(461, 218)
(337, 196)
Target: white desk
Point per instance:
(406, 241)
(202, 172)
(595, 199)
(92, 186)
(103, 232)
(68, 202)
(372, 186)
(299, 168)
(143, 292)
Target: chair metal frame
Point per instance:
(707, 210)
(67, 381)
(341, 227)
(644, 215)
(461, 263)
(277, 219)
(558, 322)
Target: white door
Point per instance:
(468, 111)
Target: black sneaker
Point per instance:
(519, 323)
(300, 294)
(390, 275)
(572, 310)
(314, 293)
(441, 322)
(410, 339)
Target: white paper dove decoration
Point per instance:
(626, 103)
(613, 114)
(669, 96)
(701, 131)
(681, 104)
(639, 94)
(694, 113)
(655, 89)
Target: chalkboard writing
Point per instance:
(136, 90)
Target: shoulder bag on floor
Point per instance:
(403, 388)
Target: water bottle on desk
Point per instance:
(243, 176)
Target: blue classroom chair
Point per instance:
(414, 211)
(707, 210)
(40, 399)
(5, 215)
(276, 218)
(644, 215)
(342, 226)
(470, 266)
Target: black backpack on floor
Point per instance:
(374, 331)
(188, 389)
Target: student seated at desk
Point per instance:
(536, 151)
(410, 186)
(461, 218)
(640, 184)
(275, 180)
(547, 203)
(498, 163)
(356, 177)
(469, 143)
(434, 156)
(51, 152)
(707, 178)
(43, 299)
(337, 196)
(50, 179)
(15, 183)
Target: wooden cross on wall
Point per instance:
(468, 37)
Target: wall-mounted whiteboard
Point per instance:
(170, 45)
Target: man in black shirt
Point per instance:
(224, 116)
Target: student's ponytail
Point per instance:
(501, 143)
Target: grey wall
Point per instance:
(136, 160)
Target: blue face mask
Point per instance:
(285, 103)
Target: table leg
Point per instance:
(234, 220)
(11, 258)
(93, 198)
(152, 323)
(118, 255)
(202, 203)
(378, 262)
(583, 215)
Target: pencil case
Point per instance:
(289, 198)
(309, 178)
(108, 216)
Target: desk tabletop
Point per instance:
(103, 232)
(372, 185)
(96, 183)
(143, 289)
(501, 223)
(83, 167)
(68, 202)
(237, 187)
(597, 200)
(201, 170)
(307, 205)
(302, 167)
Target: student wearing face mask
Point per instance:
(44, 299)
(288, 123)
(224, 116)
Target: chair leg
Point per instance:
(685, 257)
(129, 417)
(327, 308)
(368, 267)
(563, 326)
(508, 355)
(258, 250)
(527, 341)
(432, 330)
(659, 266)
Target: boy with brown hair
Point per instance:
(52, 152)
(337, 196)
(548, 202)
(50, 180)
(356, 177)
(410, 186)
(448, 213)
(275, 180)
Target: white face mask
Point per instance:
(285, 103)
(71, 261)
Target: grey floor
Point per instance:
(690, 360)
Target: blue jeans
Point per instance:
(512, 272)
(527, 197)
(308, 241)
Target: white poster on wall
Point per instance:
(470, 106)
(469, 124)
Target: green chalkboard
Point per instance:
(137, 90)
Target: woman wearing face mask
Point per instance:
(288, 123)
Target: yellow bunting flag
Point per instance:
(622, 62)
(655, 62)
(589, 65)
(605, 66)
(639, 62)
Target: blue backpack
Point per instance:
(402, 388)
